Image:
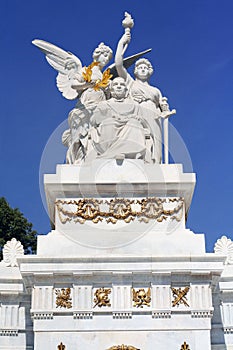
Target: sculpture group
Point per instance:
(116, 115)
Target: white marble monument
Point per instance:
(119, 270)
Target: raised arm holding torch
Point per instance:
(127, 23)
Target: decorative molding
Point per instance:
(63, 298)
(42, 315)
(179, 296)
(161, 314)
(228, 330)
(224, 246)
(141, 297)
(82, 315)
(9, 332)
(102, 297)
(128, 210)
(122, 314)
(202, 314)
(12, 250)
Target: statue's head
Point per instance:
(143, 69)
(102, 54)
(118, 88)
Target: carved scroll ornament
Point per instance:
(124, 209)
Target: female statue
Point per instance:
(149, 97)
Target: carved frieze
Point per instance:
(127, 210)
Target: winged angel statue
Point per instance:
(89, 85)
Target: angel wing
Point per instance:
(67, 65)
(128, 62)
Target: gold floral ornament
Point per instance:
(123, 347)
(63, 298)
(141, 297)
(89, 209)
(185, 346)
(144, 210)
(120, 209)
(179, 295)
(102, 297)
(61, 347)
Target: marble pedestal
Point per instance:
(119, 267)
(121, 227)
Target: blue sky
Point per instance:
(193, 60)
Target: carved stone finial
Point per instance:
(224, 246)
(12, 250)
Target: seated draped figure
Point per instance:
(119, 126)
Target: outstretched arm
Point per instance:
(122, 45)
